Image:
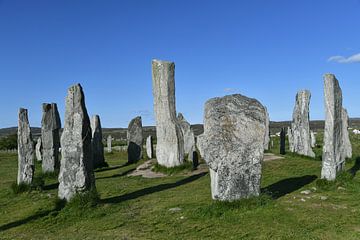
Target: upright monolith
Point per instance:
(96, 141)
(313, 139)
(109, 139)
(233, 146)
(76, 168)
(346, 139)
(38, 149)
(170, 142)
(135, 140)
(189, 137)
(267, 131)
(282, 141)
(149, 147)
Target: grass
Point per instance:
(186, 167)
(124, 207)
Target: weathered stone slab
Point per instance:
(233, 146)
(313, 139)
(109, 140)
(96, 141)
(282, 141)
(346, 139)
(267, 134)
(50, 137)
(170, 142)
(189, 137)
(333, 159)
(26, 166)
(149, 147)
(135, 140)
(38, 149)
(76, 169)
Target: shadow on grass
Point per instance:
(150, 190)
(117, 175)
(51, 186)
(287, 186)
(110, 168)
(355, 168)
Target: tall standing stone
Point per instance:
(76, 168)
(135, 140)
(26, 166)
(38, 149)
(267, 131)
(333, 159)
(313, 139)
(346, 139)
(170, 142)
(50, 137)
(290, 139)
(282, 141)
(149, 147)
(109, 139)
(300, 127)
(233, 146)
(189, 137)
(96, 141)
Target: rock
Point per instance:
(195, 160)
(38, 149)
(290, 139)
(233, 146)
(96, 141)
(306, 192)
(189, 137)
(346, 140)
(313, 139)
(341, 188)
(282, 141)
(333, 159)
(50, 137)
(135, 140)
(109, 139)
(300, 128)
(26, 166)
(323, 198)
(76, 168)
(176, 209)
(303, 200)
(149, 147)
(170, 142)
(267, 132)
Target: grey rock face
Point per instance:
(300, 128)
(26, 166)
(96, 141)
(313, 139)
(135, 140)
(333, 159)
(149, 147)
(76, 169)
(233, 146)
(50, 137)
(109, 139)
(170, 142)
(38, 149)
(267, 132)
(290, 138)
(282, 141)
(346, 140)
(189, 137)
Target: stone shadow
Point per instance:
(51, 186)
(286, 186)
(355, 168)
(110, 168)
(117, 175)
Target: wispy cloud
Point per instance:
(341, 59)
(229, 90)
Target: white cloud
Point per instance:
(341, 59)
(229, 90)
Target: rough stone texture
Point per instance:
(267, 132)
(149, 147)
(38, 149)
(313, 139)
(346, 140)
(282, 141)
(170, 142)
(26, 166)
(76, 169)
(50, 137)
(109, 140)
(290, 138)
(96, 141)
(333, 159)
(300, 128)
(135, 140)
(189, 137)
(233, 146)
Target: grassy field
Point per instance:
(137, 208)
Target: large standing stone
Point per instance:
(109, 139)
(189, 137)
(96, 141)
(233, 146)
(38, 149)
(267, 134)
(282, 141)
(26, 166)
(76, 169)
(135, 140)
(290, 139)
(346, 139)
(300, 127)
(50, 137)
(170, 142)
(333, 159)
(149, 147)
(313, 139)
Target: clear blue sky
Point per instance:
(266, 49)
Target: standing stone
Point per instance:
(96, 141)
(333, 159)
(170, 142)
(282, 141)
(189, 137)
(26, 166)
(267, 132)
(313, 139)
(38, 149)
(149, 147)
(346, 139)
(233, 146)
(109, 139)
(50, 137)
(300, 127)
(135, 140)
(290, 139)
(76, 169)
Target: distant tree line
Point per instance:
(8, 142)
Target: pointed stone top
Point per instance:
(161, 61)
(180, 116)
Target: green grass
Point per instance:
(125, 207)
(185, 168)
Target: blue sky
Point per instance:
(265, 49)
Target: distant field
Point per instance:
(137, 208)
